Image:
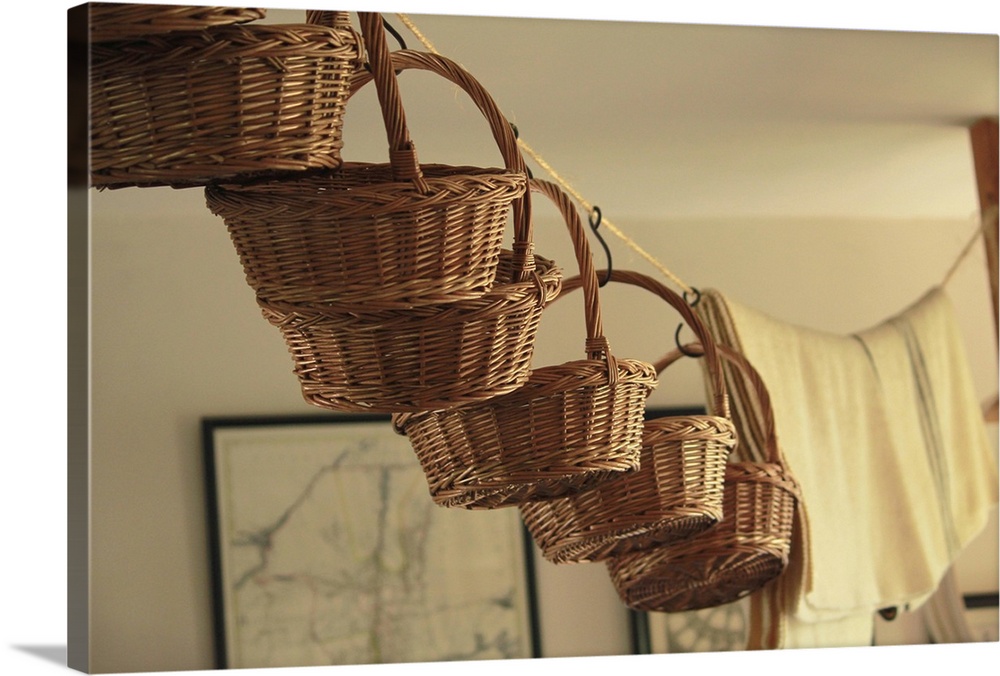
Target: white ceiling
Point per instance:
(655, 120)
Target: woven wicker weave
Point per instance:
(746, 550)
(677, 490)
(186, 108)
(568, 428)
(123, 21)
(425, 357)
(360, 238)
(421, 359)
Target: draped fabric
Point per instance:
(884, 433)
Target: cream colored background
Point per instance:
(800, 202)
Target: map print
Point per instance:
(333, 553)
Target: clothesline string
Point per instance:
(986, 218)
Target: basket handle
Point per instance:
(751, 378)
(330, 18)
(596, 344)
(503, 134)
(720, 398)
(402, 153)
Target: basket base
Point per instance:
(470, 497)
(696, 583)
(583, 549)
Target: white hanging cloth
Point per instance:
(885, 435)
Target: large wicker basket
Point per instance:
(569, 427)
(184, 108)
(677, 490)
(123, 21)
(425, 357)
(746, 550)
(383, 236)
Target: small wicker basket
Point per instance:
(677, 490)
(184, 108)
(123, 21)
(569, 427)
(394, 236)
(746, 550)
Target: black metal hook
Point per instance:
(677, 333)
(399, 38)
(517, 135)
(595, 222)
(677, 342)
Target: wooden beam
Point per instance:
(985, 157)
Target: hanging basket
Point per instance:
(677, 490)
(123, 21)
(390, 236)
(185, 108)
(746, 550)
(426, 357)
(569, 427)
(422, 359)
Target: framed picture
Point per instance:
(982, 615)
(328, 550)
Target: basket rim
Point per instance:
(543, 382)
(540, 288)
(221, 43)
(117, 20)
(345, 189)
(609, 544)
(296, 181)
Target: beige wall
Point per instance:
(177, 336)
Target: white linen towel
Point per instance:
(883, 431)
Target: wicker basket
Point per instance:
(362, 238)
(746, 550)
(425, 357)
(123, 21)
(568, 428)
(186, 108)
(675, 494)
(422, 359)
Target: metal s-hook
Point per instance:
(517, 136)
(677, 333)
(394, 32)
(388, 27)
(594, 218)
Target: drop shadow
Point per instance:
(52, 653)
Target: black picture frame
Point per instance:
(505, 626)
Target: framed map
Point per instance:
(328, 550)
